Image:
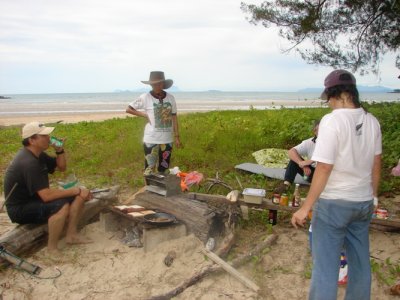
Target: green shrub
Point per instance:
(111, 152)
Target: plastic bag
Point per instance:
(193, 178)
(174, 171)
(189, 179)
(396, 170)
(70, 182)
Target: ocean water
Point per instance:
(29, 104)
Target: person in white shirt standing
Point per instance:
(343, 191)
(162, 130)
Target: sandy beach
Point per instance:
(64, 117)
(109, 269)
(69, 116)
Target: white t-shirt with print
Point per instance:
(348, 139)
(160, 131)
(306, 149)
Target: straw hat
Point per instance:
(158, 76)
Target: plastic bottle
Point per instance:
(296, 196)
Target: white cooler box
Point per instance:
(254, 196)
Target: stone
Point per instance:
(109, 222)
(152, 236)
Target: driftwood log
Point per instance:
(26, 239)
(214, 268)
(201, 219)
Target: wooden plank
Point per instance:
(209, 197)
(227, 267)
(267, 204)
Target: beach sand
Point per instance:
(119, 112)
(64, 117)
(108, 269)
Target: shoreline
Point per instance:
(65, 118)
(50, 115)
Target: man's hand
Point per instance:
(307, 171)
(299, 218)
(178, 143)
(85, 194)
(305, 163)
(59, 148)
(146, 116)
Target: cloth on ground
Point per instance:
(272, 157)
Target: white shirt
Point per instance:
(306, 149)
(348, 139)
(160, 131)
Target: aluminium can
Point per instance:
(56, 142)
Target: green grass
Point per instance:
(110, 152)
(387, 272)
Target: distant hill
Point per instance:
(361, 88)
(146, 89)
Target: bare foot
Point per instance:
(53, 252)
(54, 255)
(75, 240)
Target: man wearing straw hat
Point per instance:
(29, 198)
(159, 109)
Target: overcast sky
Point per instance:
(54, 46)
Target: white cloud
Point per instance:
(98, 45)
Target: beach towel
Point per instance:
(272, 158)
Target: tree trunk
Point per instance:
(198, 217)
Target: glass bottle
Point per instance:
(296, 196)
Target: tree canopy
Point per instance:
(351, 34)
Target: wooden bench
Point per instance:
(267, 204)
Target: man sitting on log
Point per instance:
(30, 200)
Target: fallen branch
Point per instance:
(231, 270)
(214, 268)
(226, 245)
